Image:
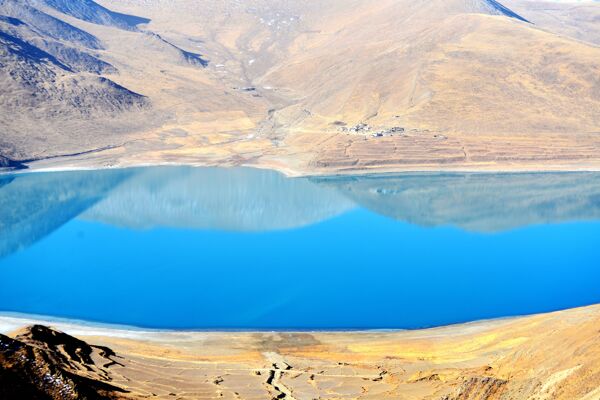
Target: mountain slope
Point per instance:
(436, 84)
(91, 11)
(576, 19)
(39, 32)
(43, 89)
(47, 25)
(54, 102)
(443, 71)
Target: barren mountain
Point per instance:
(303, 87)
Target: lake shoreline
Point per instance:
(301, 162)
(511, 356)
(34, 168)
(10, 321)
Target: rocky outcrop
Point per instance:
(479, 388)
(45, 364)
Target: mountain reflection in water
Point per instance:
(207, 248)
(244, 199)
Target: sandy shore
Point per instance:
(549, 356)
(315, 153)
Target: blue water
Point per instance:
(245, 249)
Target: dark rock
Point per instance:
(45, 364)
(479, 388)
(10, 164)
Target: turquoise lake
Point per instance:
(208, 248)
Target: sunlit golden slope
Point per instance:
(578, 19)
(438, 66)
(543, 357)
(472, 84)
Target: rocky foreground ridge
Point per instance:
(42, 363)
(543, 357)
